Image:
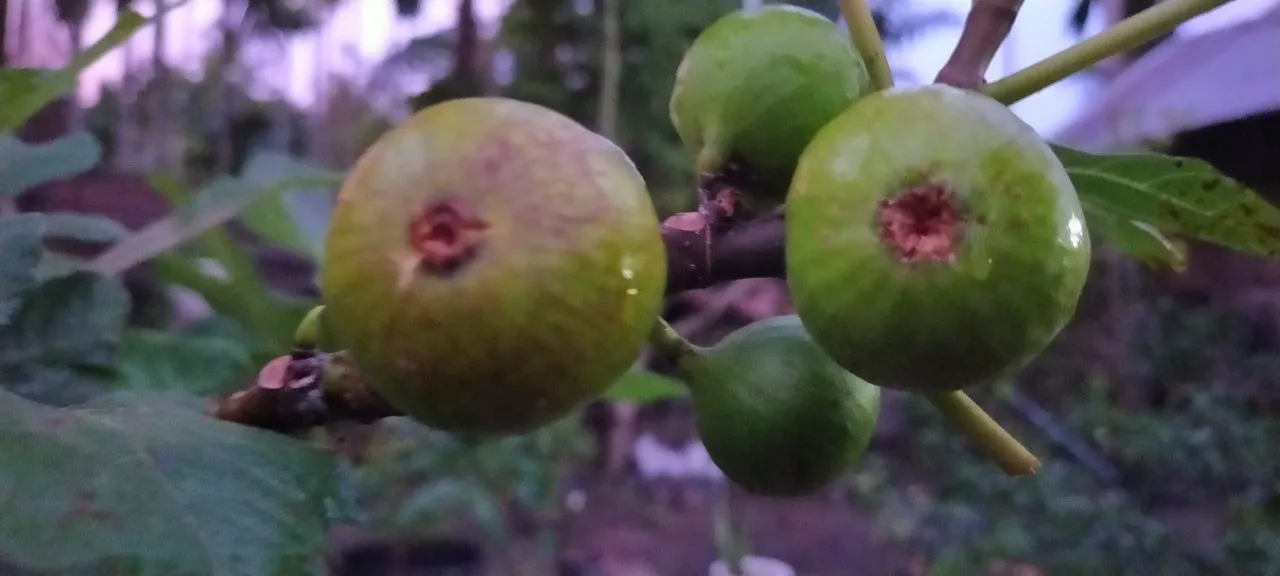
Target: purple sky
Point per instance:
(363, 31)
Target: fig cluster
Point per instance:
(933, 242)
(491, 264)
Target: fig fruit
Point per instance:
(775, 413)
(491, 264)
(933, 240)
(753, 89)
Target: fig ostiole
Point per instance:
(933, 240)
(753, 89)
(774, 412)
(491, 265)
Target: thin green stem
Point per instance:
(669, 343)
(1123, 36)
(985, 432)
(867, 41)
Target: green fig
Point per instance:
(491, 265)
(754, 88)
(775, 413)
(933, 240)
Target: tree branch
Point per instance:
(306, 389)
(985, 29)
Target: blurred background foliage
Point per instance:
(1185, 481)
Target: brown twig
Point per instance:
(303, 390)
(307, 389)
(985, 29)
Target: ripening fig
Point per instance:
(755, 87)
(775, 413)
(933, 240)
(491, 264)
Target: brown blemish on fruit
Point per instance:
(446, 235)
(921, 224)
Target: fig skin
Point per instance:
(491, 265)
(1001, 285)
(775, 413)
(753, 89)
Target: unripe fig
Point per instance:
(775, 413)
(755, 87)
(491, 264)
(934, 241)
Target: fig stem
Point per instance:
(985, 432)
(669, 343)
(307, 335)
(867, 41)
(1121, 37)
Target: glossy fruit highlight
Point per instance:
(934, 241)
(755, 87)
(775, 413)
(491, 264)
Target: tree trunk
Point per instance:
(4, 32)
(466, 65)
(161, 138)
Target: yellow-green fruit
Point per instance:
(933, 240)
(491, 264)
(755, 87)
(775, 413)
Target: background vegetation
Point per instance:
(172, 186)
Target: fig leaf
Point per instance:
(26, 91)
(24, 166)
(167, 360)
(1180, 196)
(146, 483)
(20, 248)
(62, 341)
(1139, 240)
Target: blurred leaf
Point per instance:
(20, 252)
(642, 386)
(202, 365)
(24, 166)
(239, 290)
(151, 481)
(25, 92)
(1140, 240)
(83, 227)
(62, 343)
(209, 208)
(1180, 196)
(275, 216)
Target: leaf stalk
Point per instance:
(867, 41)
(1121, 37)
(981, 429)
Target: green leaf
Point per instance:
(62, 343)
(209, 208)
(25, 92)
(286, 217)
(24, 166)
(20, 252)
(1139, 240)
(163, 360)
(83, 227)
(150, 482)
(1180, 196)
(642, 386)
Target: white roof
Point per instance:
(1184, 84)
